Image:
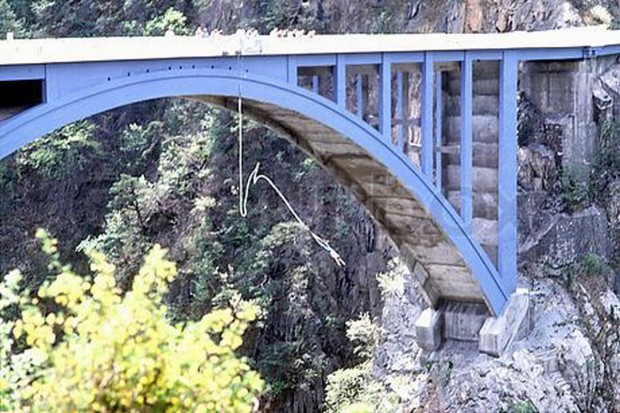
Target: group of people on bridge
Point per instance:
(203, 32)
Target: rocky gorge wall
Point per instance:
(568, 225)
(569, 362)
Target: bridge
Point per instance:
(421, 128)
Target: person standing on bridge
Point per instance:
(200, 32)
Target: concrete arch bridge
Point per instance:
(421, 128)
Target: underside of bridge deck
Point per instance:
(426, 249)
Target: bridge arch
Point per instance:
(431, 236)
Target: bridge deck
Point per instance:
(39, 51)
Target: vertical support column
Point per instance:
(291, 69)
(466, 139)
(400, 111)
(53, 83)
(340, 81)
(438, 127)
(508, 89)
(359, 95)
(427, 150)
(407, 104)
(385, 96)
(315, 83)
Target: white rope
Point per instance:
(256, 176)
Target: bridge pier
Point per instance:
(472, 322)
(498, 332)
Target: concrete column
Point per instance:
(428, 329)
(498, 332)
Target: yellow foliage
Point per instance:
(104, 351)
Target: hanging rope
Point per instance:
(256, 176)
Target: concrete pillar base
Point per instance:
(498, 332)
(471, 322)
(428, 329)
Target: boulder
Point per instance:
(535, 211)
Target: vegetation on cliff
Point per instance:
(82, 344)
(164, 172)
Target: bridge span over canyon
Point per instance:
(421, 128)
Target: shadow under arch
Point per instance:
(295, 112)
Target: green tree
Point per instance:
(55, 155)
(86, 346)
(172, 20)
(8, 20)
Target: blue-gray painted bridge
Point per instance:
(421, 128)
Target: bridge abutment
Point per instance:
(556, 88)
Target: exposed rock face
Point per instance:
(491, 15)
(397, 350)
(606, 94)
(613, 204)
(600, 312)
(555, 368)
(537, 168)
(564, 238)
(510, 15)
(539, 15)
(536, 211)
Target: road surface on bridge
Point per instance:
(66, 50)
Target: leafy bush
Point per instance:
(136, 143)
(593, 264)
(354, 390)
(364, 333)
(8, 21)
(576, 192)
(392, 282)
(345, 387)
(383, 21)
(83, 345)
(288, 15)
(522, 407)
(172, 20)
(53, 155)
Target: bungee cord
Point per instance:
(255, 176)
